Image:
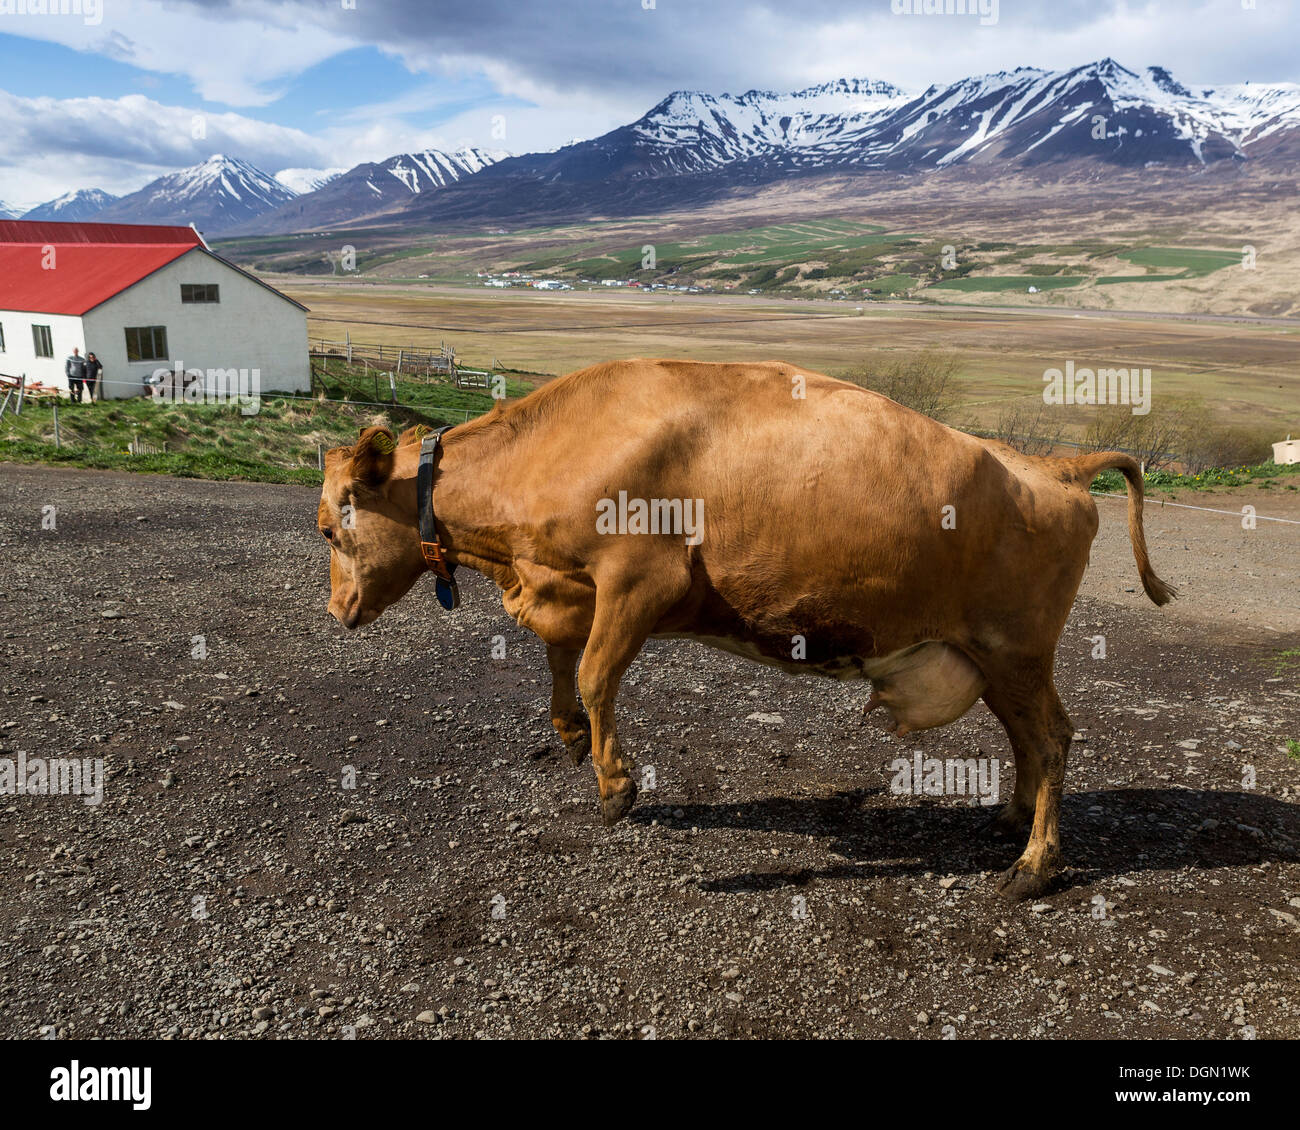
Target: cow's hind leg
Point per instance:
(1040, 733)
(567, 716)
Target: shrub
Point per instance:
(1206, 443)
(1154, 439)
(1032, 430)
(925, 382)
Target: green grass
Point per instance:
(214, 441)
(890, 284)
(1264, 475)
(1188, 262)
(846, 246)
(1194, 262)
(1286, 662)
(1008, 282)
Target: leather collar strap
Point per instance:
(435, 557)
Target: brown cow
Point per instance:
(838, 526)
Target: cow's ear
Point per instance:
(414, 434)
(372, 457)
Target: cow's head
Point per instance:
(368, 516)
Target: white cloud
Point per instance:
(52, 145)
(239, 57)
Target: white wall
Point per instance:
(19, 356)
(250, 328)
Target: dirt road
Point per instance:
(229, 884)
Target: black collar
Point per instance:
(435, 557)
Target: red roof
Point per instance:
(90, 262)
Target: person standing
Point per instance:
(93, 371)
(74, 368)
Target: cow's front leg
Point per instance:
(1016, 816)
(567, 716)
(622, 624)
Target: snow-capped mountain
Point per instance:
(1027, 115)
(432, 168)
(692, 146)
(71, 207)
(6, 212)
(214, 196)
(373, 187)
(1100, 111)
(301, 181)
(690, 132)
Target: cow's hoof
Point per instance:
(1020, 882)
(1007, 821)
(618, 804)
(579, 748)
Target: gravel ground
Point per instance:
(230, 884)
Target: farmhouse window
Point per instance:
(2, 337)
(146, 343)
(200, 292)
(42, 341)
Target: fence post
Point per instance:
(392, 388)
(347, 339)
(22, 388)
(57, 444)
(320, 457)
(399, 360)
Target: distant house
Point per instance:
(141, 298)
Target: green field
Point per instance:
(764, 258)
(1194, 262)
(1008, 282)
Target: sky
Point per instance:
(113, 93)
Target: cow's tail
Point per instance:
(1088, 466)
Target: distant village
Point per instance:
(522, 279)
(506, 279)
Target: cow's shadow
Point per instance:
(1104, 834)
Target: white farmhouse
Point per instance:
(141, 298)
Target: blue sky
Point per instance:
(110, 101)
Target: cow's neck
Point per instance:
(472, 504)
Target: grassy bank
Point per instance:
(279, 444)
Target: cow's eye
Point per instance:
(328, 533)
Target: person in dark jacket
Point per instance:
(74, 368)
(93, 371)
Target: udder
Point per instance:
(926, 686)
